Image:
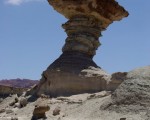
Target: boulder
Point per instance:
(39, 111)
(23, 101)
(134, 93)
(56, 111)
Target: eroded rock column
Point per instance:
(75, 72)
(83, 34)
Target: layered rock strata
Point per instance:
(87, 18)
(83, 33)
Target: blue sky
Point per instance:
(31, 38)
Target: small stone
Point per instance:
(122, 118)
(23, 102)
(14, 118)
(44, 96)
(8, 111)
(91, 96)
(17, 105)
(56, 111)
(14, 101)
(2, 110)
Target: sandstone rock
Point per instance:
(23, 101)
(14, 101)
(56, 111)
(140, 73)
(44, 96)
(87, 18)
(105, 10)
(134, 93)
(39, 111)
(116, 80)
(59, 83)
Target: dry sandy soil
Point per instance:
(76, 107)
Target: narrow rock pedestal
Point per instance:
(74, 71)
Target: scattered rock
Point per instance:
(17, 105)
(147, 115)
(44, 96)
(99, 95)
(14, 118)
(91, 96)
(116, 79)
(94, 8)
(23, 101)
(39, 111)
(122, 118)
(1, 100)
(14, 101)
(8, 111)
(56, 111)
(2, 110)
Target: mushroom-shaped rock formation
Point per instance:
(87, 18)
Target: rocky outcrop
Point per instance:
(6, 91)
(88, 81)
(75, 72)
(134, 93)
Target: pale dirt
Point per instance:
(76, 107)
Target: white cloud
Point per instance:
(18, 2)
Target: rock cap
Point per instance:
(106, 11)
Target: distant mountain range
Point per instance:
(19, 83)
